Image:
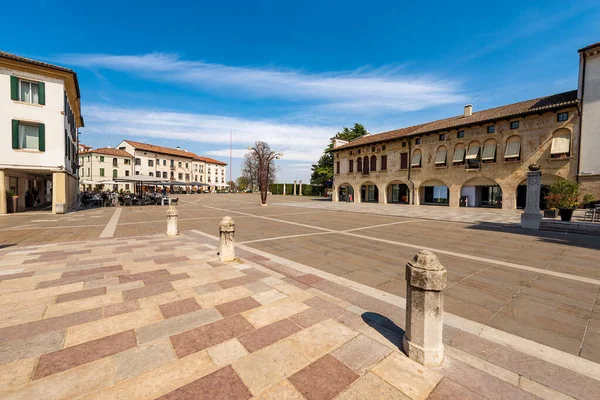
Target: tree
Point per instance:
(250, 168)
(264, 157)
(242, 183)
(322, 171)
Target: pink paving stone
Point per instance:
(167, 278)
(84, 353)
(326, 307)
(237, 306)
(324, 379)
(223, 384)
(90, 271)
(179, 307)
(120, 308)
(242, 280)
(69, 280)
(140, 276)
(16, 276)
(147, 291)
(308, 279)
(309, 317)
(82, 294)
(267, 335)
(165, 260)
(448, 389)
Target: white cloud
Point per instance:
(383, 89)
(297, 142)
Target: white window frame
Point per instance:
(30, 101)
(22, 126)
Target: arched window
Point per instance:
(359, 164)
(561, 143)
(373, 163)
(440, 156)
(366, 165)
(115, 162)
(115, 172)
(416, 159)
(473, 152)
(459, 153)
(489, 151)
(513, 148)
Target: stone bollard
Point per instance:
(300, 189)
(426, 278)
(227, 239)
(172, 221)
(294, 188)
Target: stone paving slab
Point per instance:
(234, 331)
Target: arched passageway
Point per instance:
(481, 192)
(369, 193)
(547, 180)
(398, 193)
(346, 192)
(434, 192)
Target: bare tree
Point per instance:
(250, 166)
(263, 157)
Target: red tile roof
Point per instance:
(540, 104)
(172, 152)
(108, 151)
(209, 160)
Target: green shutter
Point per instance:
(42, 93)
(42, 137)
(15, 134)
(14, 88)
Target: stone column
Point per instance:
(426, 278)
(59, 190)
(284, 185)
(532, 216)
(294, 188)
(3, 209)
(227, 239)
(172, 221)
(454, 196)
(383, 195)
(301, 189)
(335, 193)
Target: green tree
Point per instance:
(242, 183)
(322, 171)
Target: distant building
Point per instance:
(40, 114)
(480, 159)
(104, 165)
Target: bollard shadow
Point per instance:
(385, 326)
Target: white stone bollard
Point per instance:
(426, 278)
(532, 216)
(294, 188)
(227, 239)
(301, 189)
(284, 189)
(172, 221)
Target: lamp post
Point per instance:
(265, 156)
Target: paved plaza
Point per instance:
(104, 298)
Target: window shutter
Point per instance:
(14, 88)
(42, 93)
(403, 160)
(42, 137)
(15, 134)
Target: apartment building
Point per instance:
(40, 114)
(98, 166)
(480, 159)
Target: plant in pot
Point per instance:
(11, 201)
(588, 200)
(564, 196)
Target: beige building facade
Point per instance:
(98, 166)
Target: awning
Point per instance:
(139, 178)
(433, 182)
(84, 182)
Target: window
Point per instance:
(151, 163)
(150, 173)
(127, 186)
(179, 164)
(337, 167)
(440, 157)
(180, 176)
(28, 136)
(350, 152)
(489, 151)
(126, 173)
(172, 163)
(164, 162)
(359, 164)
(157, 161)
(514, 125)
(383, 147)
(115, 162)
(101, 171)
(122, 148)
(442, 137)
(403, 160)
(138, 161)
(89, 172)
(186, 165)
(115, 173)
(403, 144)
(459, 154)
(127, 162)
(384, 163)
(418, 141)
(372, 148)
(164, 175)
(137, 172)
(365, 165)
(561, 117)
(187, 177)
(416, 159)
(101, 158)
(460, 134)
(473, 153)
(27, 91)
(358, 151)
(513, 148)
(373, 163)
(491, 129)
(561, 143)
(351, 166)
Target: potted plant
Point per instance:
(588, 200)
(564, 195)
(11, 201)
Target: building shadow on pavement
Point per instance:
(568, 239)
(385, 326)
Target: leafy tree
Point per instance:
(242, 183)
(322, 171)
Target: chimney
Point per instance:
(468, 110)
(178, 148)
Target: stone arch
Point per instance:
(434, 192)
(521, 190)
(345, 192)
(369, 192)
(397, 192)
(481, 191)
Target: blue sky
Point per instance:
(292, 73)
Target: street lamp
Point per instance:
(265, 156)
